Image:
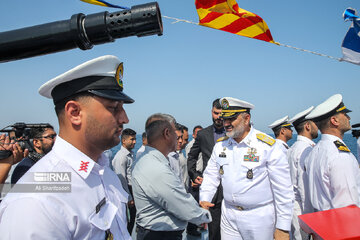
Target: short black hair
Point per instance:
(128, 132)
(216, 103)
(277, 131)
(143, 135)
(183, 128)
(196, 127)
(323, 123)
(300, 127)
(60, 105)
(38, 132)
(178, 127)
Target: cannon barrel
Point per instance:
(82, 31)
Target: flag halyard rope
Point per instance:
(177, 20)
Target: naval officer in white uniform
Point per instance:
(254, 172)
(282, 131)
(89, 104)
(333, 171)
(307, 131)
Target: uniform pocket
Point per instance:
(221, 161)
(102, 220)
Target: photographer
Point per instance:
(15, 157)
(43, 141)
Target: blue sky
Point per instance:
(184, 70)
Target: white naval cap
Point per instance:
(231, 107)
(329, 107)
(300, 117)
(101, 76)
(282, 122)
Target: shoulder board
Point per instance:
(222, 139)
(342, 147)
(265, 138)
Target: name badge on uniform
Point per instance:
(250, 174)
(222, 154)
(251, 156)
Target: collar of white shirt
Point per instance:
(329, 137)
(305, 139)
(78, 161)
(281, 141)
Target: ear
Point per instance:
(282, 131)
(73, 112)
(307, 126)
(334, 120)
(37, 143)
(247, 119)
(166, 133)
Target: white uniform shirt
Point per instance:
(283, 145)
(358, 149)
(297, 155)
(56, 215)
(271, 184)
(334, 175)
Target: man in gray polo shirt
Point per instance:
(163, 205)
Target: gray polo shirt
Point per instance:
(161, 200)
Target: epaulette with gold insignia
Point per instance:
(265, 138)
(222, 139)
(342, 147)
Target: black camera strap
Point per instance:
(5, 154)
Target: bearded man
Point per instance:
(255, 175)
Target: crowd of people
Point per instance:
(232, 179)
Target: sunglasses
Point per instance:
(52, 136)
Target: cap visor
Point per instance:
(231, 116)
(113, 95)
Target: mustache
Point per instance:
(120, 127)
(228, 126)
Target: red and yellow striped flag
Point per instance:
(227, 16)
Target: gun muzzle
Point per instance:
(80, 31)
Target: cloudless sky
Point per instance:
(184, 70)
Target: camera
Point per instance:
(355, 132)
(21, 133)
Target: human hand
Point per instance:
(194, 185)
(204, 226)
(281, 234)
(5, 143)
(198, 180)
(17, 152)
(206, 205)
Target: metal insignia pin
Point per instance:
(250, 174)
(221, 171)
